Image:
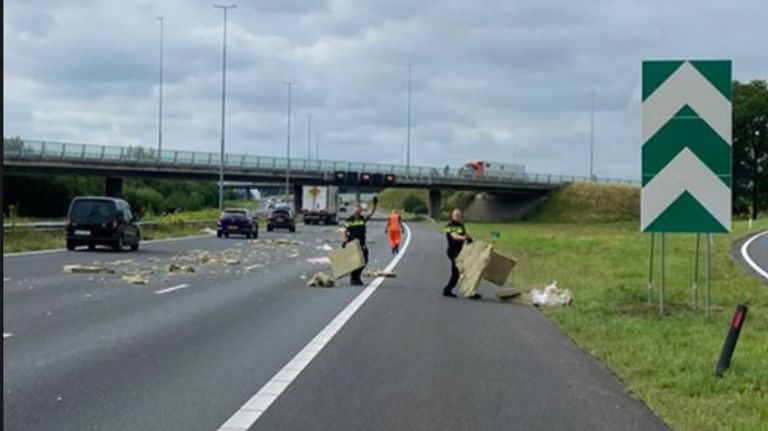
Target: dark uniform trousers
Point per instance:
(356, 274)
(454, 275)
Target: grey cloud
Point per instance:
(491, 79)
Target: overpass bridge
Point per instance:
(118, 162)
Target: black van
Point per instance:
(94, 220)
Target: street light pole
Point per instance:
(592, 140)
(288, 143)
(317, 146)
(309, 136)
(224, 8)
(160, 107)
(408, 136)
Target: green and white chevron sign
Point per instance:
(686, 156)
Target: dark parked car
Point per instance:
(93, 220)
(237, 221)
(281, 218)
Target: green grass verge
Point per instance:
(18, 240)
(394, 198)
(590, 203)
(666, 361)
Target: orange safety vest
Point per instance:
(394, 222)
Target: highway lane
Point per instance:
(754, 251)
(188, 359)
(92, 352)
(411, 359)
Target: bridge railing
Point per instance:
(46, 150)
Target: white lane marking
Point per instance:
(252, 410)
(254, 266)
(748, 258)
(7, 334)
(61, 250)
(6, 279)
(171, 289)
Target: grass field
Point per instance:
(17, 240)
(590, 203)
(173, 225)
(667, 361)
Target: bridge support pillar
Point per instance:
(298, 196)
(434, 203)
(357, 197)
(114, 187)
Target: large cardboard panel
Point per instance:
(498, 269)
(347, 259)
(472, 261)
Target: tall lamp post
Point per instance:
(408, 136)
(160, 102)
(592, 140)
(290, 85)
(224, 8)
(309, 136)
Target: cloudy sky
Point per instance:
(492, 79)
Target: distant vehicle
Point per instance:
(343, 210)
(481, 168)
(237, 221)
(281, 218)
(95, 220)
(320, 204)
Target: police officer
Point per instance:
(355, 229)
(456, 235)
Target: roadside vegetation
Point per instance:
(17, 239)
(589, 203)
(669, 361)
(414, 202)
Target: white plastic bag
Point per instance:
(551, 295)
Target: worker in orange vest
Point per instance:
(394, 228)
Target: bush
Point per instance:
(144, 199)
(413, 204)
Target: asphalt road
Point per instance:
(753, 251)
(93, 352)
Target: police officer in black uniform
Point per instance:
(456, 235)
(355, 229)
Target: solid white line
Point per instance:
(60, 250)
(171, 289)
(6, 279)
(252, 410)
(7, 334)
(748, 258)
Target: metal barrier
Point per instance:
(115, 155)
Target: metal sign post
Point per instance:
(650, 271)
(661, 275)
(695, 293)
(709, 271)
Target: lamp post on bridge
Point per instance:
(309, 136)
(408, 135)
(224, 8)
(290, 85)
(160, 102)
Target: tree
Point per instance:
(750, 147)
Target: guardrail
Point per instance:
(116, 155)
(60, 225)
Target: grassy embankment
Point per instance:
(586, 237)
(396, 198)
(171, 226)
